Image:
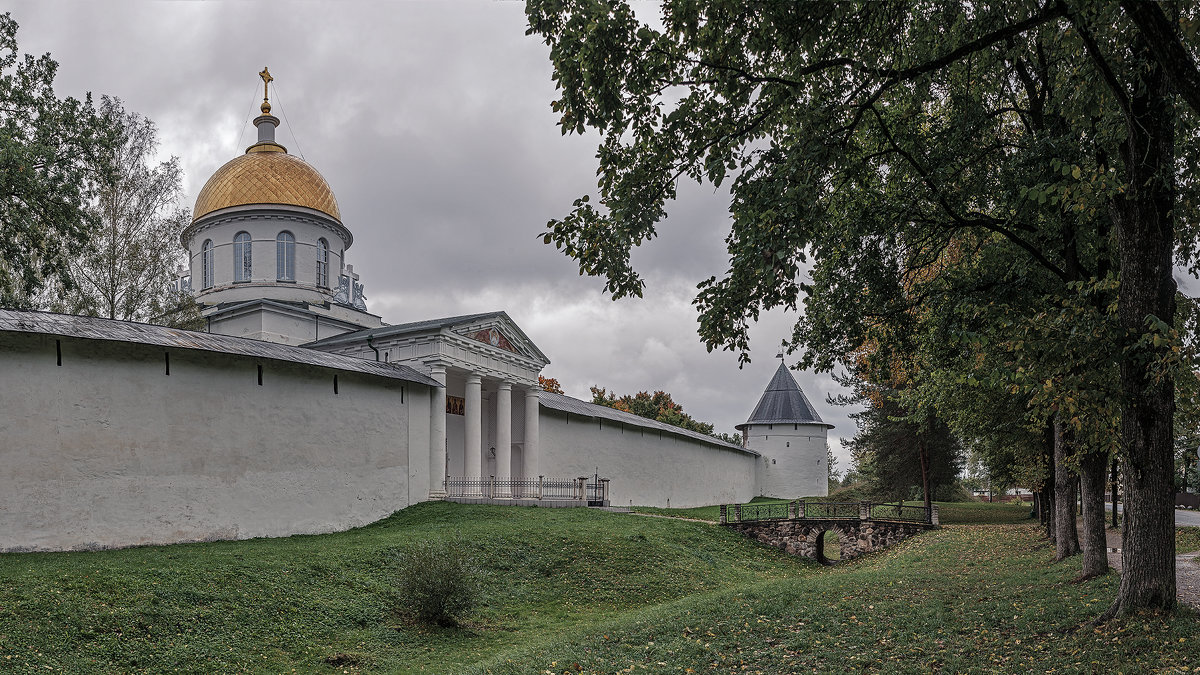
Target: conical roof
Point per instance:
(784, 403)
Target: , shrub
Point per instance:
(954, 492)
(862, 491)
(437, 582)
(851, 493)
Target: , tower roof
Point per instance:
(783, 403)
(266, 177)
(266, 174)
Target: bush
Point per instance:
(858, 492)
(437, 582)
(954, 492)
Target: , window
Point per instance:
(285, 257)
(322, 263)
(243, 267)
(206, 264)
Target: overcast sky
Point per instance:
(432, 123)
